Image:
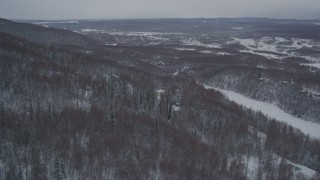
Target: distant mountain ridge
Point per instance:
(44, 35)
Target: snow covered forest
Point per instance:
(76, 109)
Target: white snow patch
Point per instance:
(57, 22)
(263, 79)
(253, 164)
(159, 92)
(195, 42)
(113, 44)
(206, 52)
(176, 108)
(223, 54)
(300, 43)
(245, 42)
(237, 28)
(115, 76)
(185, 68)
(157, 38)
(88, 94)
(82, 104)
(185, 49)
(281, 40)
(303, 169)
(262, 67)
(176, 73)
(154, 43)
(91, 30)
(267, 44)
(272, 111)
(266, 55)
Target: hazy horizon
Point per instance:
(154, 18)
(152, 9)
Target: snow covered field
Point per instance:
(272, 111)
(277, 47)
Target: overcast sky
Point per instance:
(123, 9)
